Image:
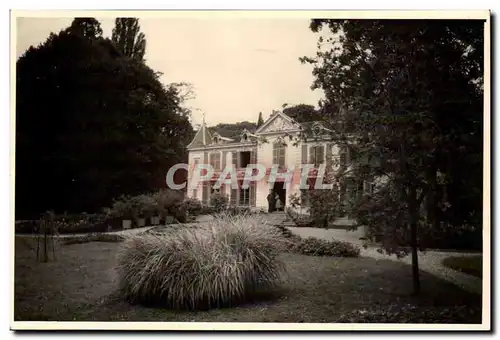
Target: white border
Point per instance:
(432, 14)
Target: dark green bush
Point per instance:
(219, 202)
(193, 206)
(71, 224)
(317, 247)
(97, 237)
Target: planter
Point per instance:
(126, 224)
(155, 220)
(141, 222)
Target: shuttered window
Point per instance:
(235, 159)
(317, 154)
(253, 156)
(215, 160)
(279, 152)
(206, 193)
(253, 194)
(304, 154)
(344, 156)
(244, 197)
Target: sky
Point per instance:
(238, 67)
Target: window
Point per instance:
(317, 154)
(245, 159)
(235, 159)
(368, 188)
(215, 160)
(244, 197)
(279, 150)
(344, 156)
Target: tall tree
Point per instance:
(91, 125)
(260, 120)
(128, 38)
(408, 99)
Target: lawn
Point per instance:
(80, 286)
(472, 265)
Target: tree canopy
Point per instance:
(406, 97)
(91, 124)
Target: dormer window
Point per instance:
(245, 137)
(216, 140)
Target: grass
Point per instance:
(82, 286)
(472, 265)
(223, 262)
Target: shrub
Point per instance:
(472, 265)
(317, 247)
(224, 262)
(219, 202)
(239, 211)
(95, 237)
(124, 207)
(193, 206)
(300, 220)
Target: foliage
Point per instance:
(260, 120)
(318, 247)
(88, 28)
(472, 265)
(233, 130)
(93, 237)
(96, 123)
(304, 113)
(193, 206)
(300, 220)
(128, 38)
(324, 205)
(392, 87)
(219, 264)
(219, 202)
(125, 207)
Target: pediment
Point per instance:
(278, 123)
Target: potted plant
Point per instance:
(140, 206)
(123, 209)
(149, 209)
(156, 212)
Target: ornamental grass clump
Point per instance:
(230, 260)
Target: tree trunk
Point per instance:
(413, 207)
(45, 248)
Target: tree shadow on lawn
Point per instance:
(82, 286)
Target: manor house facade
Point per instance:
(269, 146)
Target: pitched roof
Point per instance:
(202, 137)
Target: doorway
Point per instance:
(279, 189)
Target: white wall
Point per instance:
(192, 156)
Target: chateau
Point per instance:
(269, 146)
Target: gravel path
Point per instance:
(429, 261)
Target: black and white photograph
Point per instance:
(287, 170)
